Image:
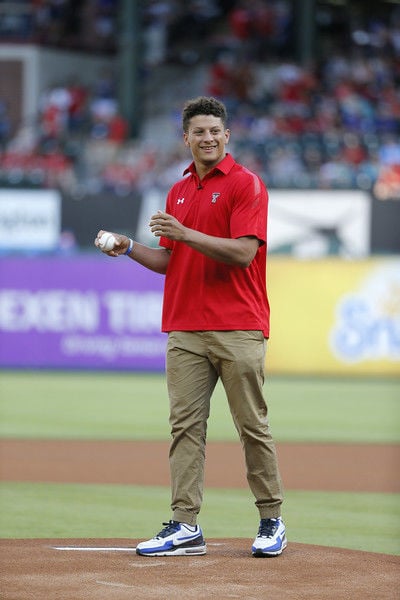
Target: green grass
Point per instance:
(103, 511)
(135, 406)
(83, 406)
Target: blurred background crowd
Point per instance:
(328, 120)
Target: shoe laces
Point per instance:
(268, 527)
(170, 527)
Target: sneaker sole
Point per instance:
(188, 551)
(260, 554)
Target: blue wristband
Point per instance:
(130, 246)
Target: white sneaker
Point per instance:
(271, 538)
(176, 539)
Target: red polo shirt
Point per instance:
(202, 294)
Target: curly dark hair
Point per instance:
(203, 105)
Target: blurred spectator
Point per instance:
(221, 71)
(54, 111)
(156, 17)
(389, 152)
(77, 108)
(387, 185)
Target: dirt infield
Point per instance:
(34, 569)
(330, 467)
(108, 569)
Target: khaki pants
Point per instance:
(195, 361)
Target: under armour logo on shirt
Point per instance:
(180, 200)
(215, 197)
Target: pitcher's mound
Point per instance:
(102, 569)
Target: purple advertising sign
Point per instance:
(92, 312)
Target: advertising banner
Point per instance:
(334, 316)
(30, 220)
(315, 223)
(95, 312)
(82, 312)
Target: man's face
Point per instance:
(206, 138)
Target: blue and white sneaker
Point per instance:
(176, 539)
(271, 538)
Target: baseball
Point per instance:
(107, 241)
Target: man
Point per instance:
(216, 313)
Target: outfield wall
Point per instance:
(94, 312)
